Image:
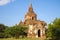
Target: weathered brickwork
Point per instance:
(36, 28)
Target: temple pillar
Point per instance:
(44, 34)
(41, 33)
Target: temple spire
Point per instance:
(31, 5)
(30, 8)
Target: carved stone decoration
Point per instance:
(36, 28)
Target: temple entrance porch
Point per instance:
(39, 33)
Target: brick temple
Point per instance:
(36, 28)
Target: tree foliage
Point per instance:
(2, 28)
(54, 29)
(15, 31)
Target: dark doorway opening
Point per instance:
(39, 33)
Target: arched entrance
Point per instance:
(39, 33)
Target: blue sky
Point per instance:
(12, 11)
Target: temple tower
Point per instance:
(30, 14)
(36, 28)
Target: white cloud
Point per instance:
(4, 2)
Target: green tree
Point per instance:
(7, 32)
(2, 28)
(15, 31)
(54, 29)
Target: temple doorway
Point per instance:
(39, 33)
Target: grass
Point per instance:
(21, 39)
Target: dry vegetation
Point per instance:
(22, 39)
